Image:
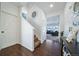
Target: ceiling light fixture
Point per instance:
(51, 5)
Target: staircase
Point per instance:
(37, 42)
(37, 33)
(36, 26)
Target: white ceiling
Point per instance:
(45, 6)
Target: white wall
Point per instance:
(10, 24)
(40, 18)
(27, 33)
(68, 17)
(40, 21)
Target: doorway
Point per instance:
(53, 27)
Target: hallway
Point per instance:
(48, 48)
(21, 21)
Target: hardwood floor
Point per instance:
(48, 48)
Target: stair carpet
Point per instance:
(36, 41)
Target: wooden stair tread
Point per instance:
(35, 38)
(36, 41)
(36, 44)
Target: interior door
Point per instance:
(8, 30)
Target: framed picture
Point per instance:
(76, 8)
(76, 14)
(76, 21)
(24, 15)
(34, 14)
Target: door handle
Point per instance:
(2, 31)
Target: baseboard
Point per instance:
(18, 45)
(7, 46)
(27, 48)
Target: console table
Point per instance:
(72, 47)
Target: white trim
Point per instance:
(8, 13)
